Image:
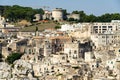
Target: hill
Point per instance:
(41, 26)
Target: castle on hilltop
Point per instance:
(57, 14)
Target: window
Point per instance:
(104, 26)
(104, 29)
(95, 26)
(48, 46)
(99, 32)
(111, 62)
(30, 51)
(74, 57)
(96, 31)
(109, 26)
(75, 52)
(63, 58)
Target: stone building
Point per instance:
(47, 15)
(76, 50)
(47, 48)
(72, 50)
(106, 39)
(59, 58)
(58, 43)
(74, 16)
(38, 17)
(17, 45)
(58, 14)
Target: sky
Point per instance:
(96, 7)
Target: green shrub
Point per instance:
(12, 57)
(57, 27)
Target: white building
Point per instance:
(71, 27)
(117, 22)
(103, 27)
(111, 64)
(59, 58)
(89, 57)
(105, 39)
(47, 48)
(67, 27)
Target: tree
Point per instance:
(71, 19)
(115, 16)
(1, 10)
(39, 11)
(12, 57)
(90, 18)
(75, 12)
(105, 18)
(16, 13)
(82, 16)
